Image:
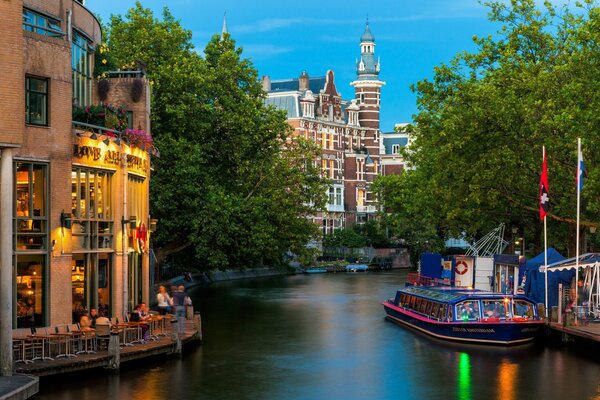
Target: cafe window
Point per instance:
(36, 101)
(31, 206)
(30, 305)
(81, 65)
(91, 209)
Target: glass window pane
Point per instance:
(22, 195)
(30, 291)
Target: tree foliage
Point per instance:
(484, 117)
(231, 186)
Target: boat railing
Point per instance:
(416, 279)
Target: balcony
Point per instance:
(335, 208)
(366, 209)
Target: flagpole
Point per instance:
(545, 249)
(579, 176)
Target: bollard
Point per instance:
(175, 335)
(198, 325)
(114, 352)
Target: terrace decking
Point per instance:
(163, 345)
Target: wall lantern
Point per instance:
(132, 221)
(65, 220)
(153, 223)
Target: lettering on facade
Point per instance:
(110, 157)
(86, 151)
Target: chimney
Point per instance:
(303, 81)
(266, 83)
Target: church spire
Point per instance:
(224, 28)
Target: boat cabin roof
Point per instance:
(453, 294)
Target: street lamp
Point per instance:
(521, 243)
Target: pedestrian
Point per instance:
(179, 300)
(164, 301)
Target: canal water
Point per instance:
(324, 336)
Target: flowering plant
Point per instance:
(138, 137)
(105, 115)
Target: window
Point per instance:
(36, 101)
(81, 64)
(31, 208)
(30, 242)
(42, 24)
(91, 207)
(395, 149)
(467, 310)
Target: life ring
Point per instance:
(459, 270)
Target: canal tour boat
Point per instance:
(467, 315)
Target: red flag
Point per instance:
(544, 190)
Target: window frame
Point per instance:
(46, 95)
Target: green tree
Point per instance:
(231, 187)
(484, 117)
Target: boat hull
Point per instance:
(500, 332)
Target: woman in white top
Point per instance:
(164, 300)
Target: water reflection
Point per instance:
(325, 337)
(464, 377)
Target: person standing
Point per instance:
(179, 300)
(164, 301)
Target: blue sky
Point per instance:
(284, 38)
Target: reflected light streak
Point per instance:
(464, 377)
(507, 375)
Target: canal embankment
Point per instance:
(18, 387)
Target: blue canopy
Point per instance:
(535, 280)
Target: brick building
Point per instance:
(74, 196)
(347, 130)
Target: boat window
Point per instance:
(442, 311)
(418, 303)
(413, 300)
(523, 309)
(434, 310)
(495, 309)
(429, 306)
(468, 310)
(449, 313)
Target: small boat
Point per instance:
(356, 267)
(315, 271)
(466, 315)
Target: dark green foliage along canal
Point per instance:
(325, 337)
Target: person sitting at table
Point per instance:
(84, 322)
(136, 316)
(102, 319)
(93, 316)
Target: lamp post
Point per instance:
(520, 241)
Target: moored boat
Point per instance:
(356, 267)
(315, 271)
(466, 315)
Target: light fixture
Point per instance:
(592, 229)
(515, 230)
(65, 220)
(53, 243)
(94, 136)
(153, 223)
(132, 221)
(106, 141)
(118, 140)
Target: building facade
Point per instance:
(348, 132)
(74, 195)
